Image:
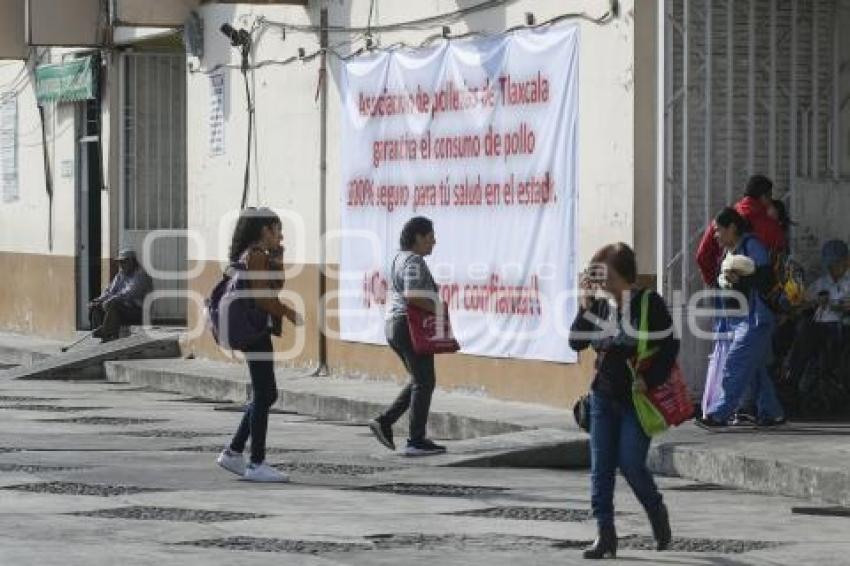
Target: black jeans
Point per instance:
(811, 338)
(110, 319)
(255, 421)
(417, 393)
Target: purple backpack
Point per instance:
(235, 320)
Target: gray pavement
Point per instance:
(335, 510)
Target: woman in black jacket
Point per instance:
(608, 320)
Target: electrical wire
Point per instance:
(421, 23)
(365, 33)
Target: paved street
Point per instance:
(95, 474)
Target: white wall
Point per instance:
(24, 223)
(288, 117)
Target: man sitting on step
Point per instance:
(121, 303)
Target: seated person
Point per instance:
(829, 297)
(121, 303)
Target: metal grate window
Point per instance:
(749, 88)
(155, 142)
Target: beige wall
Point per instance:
(12, 19)
(64, 22)
(25, 224)
(288, 118)
(37, 295)
(288, 173)
(646, 120)
(535, 382)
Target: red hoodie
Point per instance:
(766, 229)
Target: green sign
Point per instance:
(65, 82)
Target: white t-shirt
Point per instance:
(838, 291)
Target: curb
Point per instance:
(735, 469)
(443, 425)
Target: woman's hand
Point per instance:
(294, 316)
(587, 291)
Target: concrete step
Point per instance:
(454, 416)
(86, 362)
(534, 448)
(24, 350)
(806, 460)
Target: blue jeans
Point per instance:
(746, 369)
(255, 420)
(618, 441)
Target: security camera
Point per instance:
(238, 38)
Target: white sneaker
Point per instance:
(264, 473)
(231, 461)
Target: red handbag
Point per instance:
(671, 398)
(431, 333)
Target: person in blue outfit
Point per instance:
(610, 326)
(749, 323)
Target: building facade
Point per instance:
(160, 146)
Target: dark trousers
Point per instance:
(416, 395)
(113, 316)
(618, 441)
(255, 420)
(811, 338)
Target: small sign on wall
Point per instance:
(216, 125)
(66, 168)
(9, 186)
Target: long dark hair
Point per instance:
(729, 216)
(619, 257)
(249, 228)
(416, 226)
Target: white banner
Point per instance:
(479, 136)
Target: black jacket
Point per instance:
(615, 347)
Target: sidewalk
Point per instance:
(805, 460)
(811, 461)
(808, 460)
(17, 349)
(491, 432)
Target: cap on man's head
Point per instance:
(833, 251)
(126, 253)
(759, 186)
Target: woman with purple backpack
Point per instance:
(256, 254)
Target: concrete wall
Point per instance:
(645, 136)
(30, 267)
(39, 297)
(288, 171)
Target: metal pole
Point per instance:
(707, 134)
(685, 100)
(730, 97)
(815, 139)
(669, 118)
(323, 194)
(806, 153)
(794, 111)
(660, 120)
(751, 91)
(771, 127)
(836, 112)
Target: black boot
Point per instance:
(605, 545)
(660, 521)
